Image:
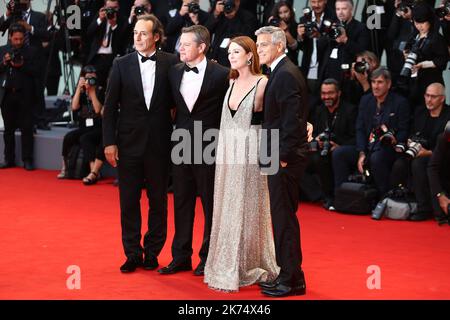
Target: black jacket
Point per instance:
(137, 128)
(438, 168)
(343, 127)
(243, 24)
(421, 122)
(358, 41)
(286, 110)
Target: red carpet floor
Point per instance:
(47, 225)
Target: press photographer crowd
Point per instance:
(381, 134)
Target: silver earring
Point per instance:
(249, 62)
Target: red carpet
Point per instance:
(47, 225)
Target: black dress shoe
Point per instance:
(150, 263)
(7, 165)
(200, 270)
(175, 267)
(269, 284)
(130, 265)
(282, 290)
(28, 165)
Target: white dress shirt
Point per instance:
(102, 49)
(148, 71)
(191, 84)
(276, 62)
(313, 72)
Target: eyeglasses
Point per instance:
(432, 96)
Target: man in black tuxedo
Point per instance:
(35, 24)
(106, 34)
(18, 70)
(199, 88)
(137, 139)
(285, 111)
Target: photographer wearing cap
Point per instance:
(228, 20)
(107, 33)
(439, 176)
(425, 55)
(383, 121)
(428, 123)
(189, 14)
(18, 71)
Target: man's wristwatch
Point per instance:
(439, 194)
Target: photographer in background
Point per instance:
(228, 20)
(88, 102)
(107, 34)
(138, 8)
(346, 39)
(356, 82)
(189, 14)
(383, 121)
(18, 70)
(426, 55)
(283, 16)
(334, 126)
(427, 124)
(439, 177)
(35, 24)
(312, 42)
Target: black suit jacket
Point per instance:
(96, 33)
(208, 106)
(343, 126)
(286, 109)
(438, 168)
(396, 116)
(307, 46)
(39, 23)
(358, 41)
(420, 122)
(136, 128)
(20, 78)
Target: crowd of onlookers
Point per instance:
(366, 118)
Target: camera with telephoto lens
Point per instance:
(111, 13)
(92, 81)
(361, 66)
(441, 12)
(16, 57)
(383, 134)
(415, 144)
(193, 7)
(410, 61)
(310, 26)
(333, 31)
(140, 10)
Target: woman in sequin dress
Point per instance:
(241, 249)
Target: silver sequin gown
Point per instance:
(241, 250)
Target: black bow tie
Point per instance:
(144, 58)
(187, 69)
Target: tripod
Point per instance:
(68, 70)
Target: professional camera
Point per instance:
(361, 66)
(16, 7)
(333, 31)
(326, 137)
(405, 5)
(140, 10)
(410, 61)
(415, 144)
(275, 22)
(193, 7)
(310, 26)
(111, 13)
(441, 12)
(383, 134)
(228, 6)
(92, 81)
(16, 57)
